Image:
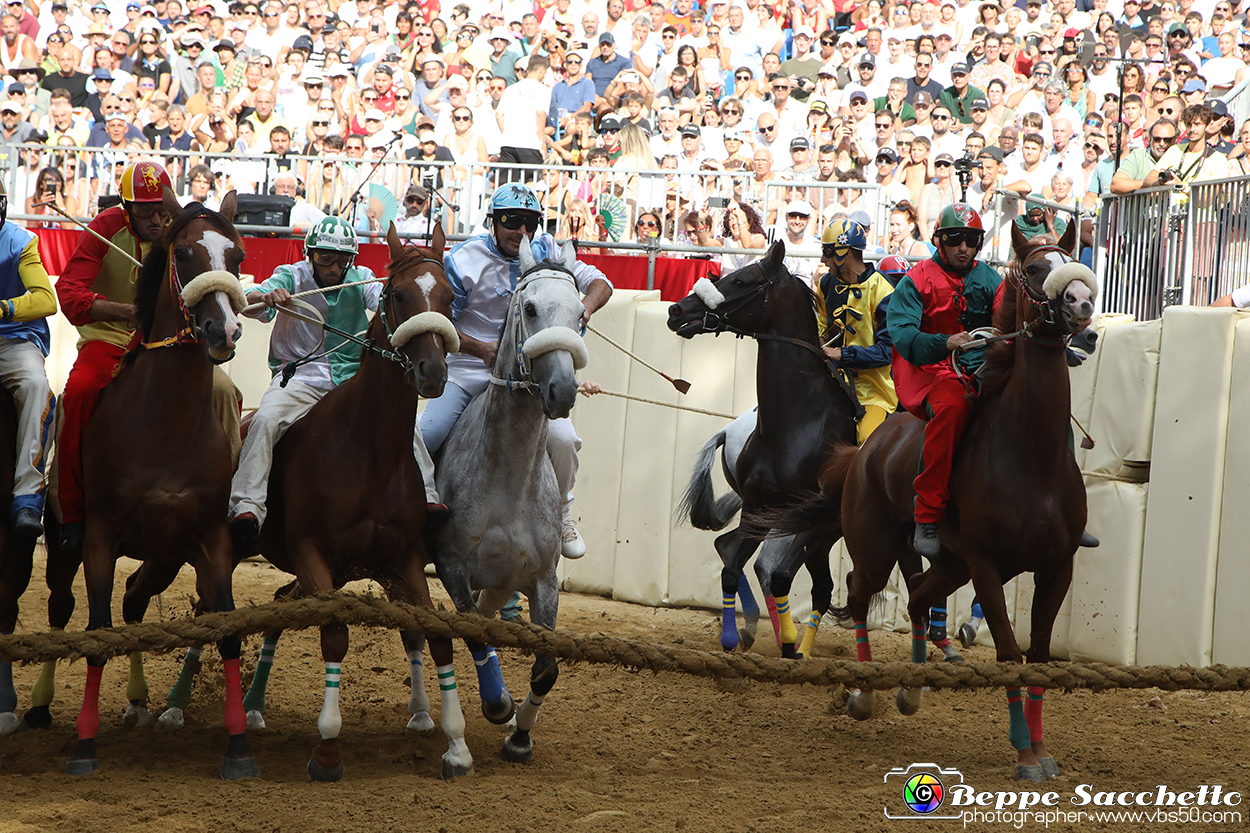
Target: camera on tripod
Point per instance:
(964, 166)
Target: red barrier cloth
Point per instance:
(673, 276)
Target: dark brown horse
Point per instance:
(1017, 500)
(16, 559)
(347, 501)
(803, 410)
(156, 461)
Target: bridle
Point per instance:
(188, 334)
(522, 379)
(1048, 311)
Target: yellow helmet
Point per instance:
(840, 237)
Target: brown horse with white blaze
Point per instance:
(156, 461)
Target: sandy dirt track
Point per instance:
(614, 750)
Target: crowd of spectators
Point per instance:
(693, 117)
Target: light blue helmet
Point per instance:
(514, 196)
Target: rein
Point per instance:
(187, 334)
(521, 336)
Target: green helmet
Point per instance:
(959, 215)
(333, 234)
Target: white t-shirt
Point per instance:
(517, 108)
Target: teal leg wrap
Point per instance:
(180, 695)
(919, 649)
(1019, 731)
(254, 700)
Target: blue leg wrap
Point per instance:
(489, 678)
(976, 611)
(729, 624)
(750, 607)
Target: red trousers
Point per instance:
(948, 408)
(93, 370)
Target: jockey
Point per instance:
(304, 369)
(931, 313)
(851, 304)
(26, 299)
(483, 272)
(97, 292)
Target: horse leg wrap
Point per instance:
(937, 626)
(330, 721)
(45, 687)
(863, 651)
(786, 633)
(137, 684)
(1018, 733)
(254, 700)
(749, 606)
(489, 678)
(809, 634)
(180, 695)
(236, 718)
(89, 717)
(8, 695)
(527, 712)
(771, 604)
(1033, 712)
(729, 625)
(919, 647)
(457, 760)
(418, 701)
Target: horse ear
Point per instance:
(172, 207)
(569, 254)
(1068, 241)
(526, 254)
(393, 242)
(1019, 243)
(438, 240)
(775, 255)
(229, 205)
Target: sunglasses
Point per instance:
(827, 42)
(648, 223)
(904, 144)
(962, 238)
(943, 164)
(796, 215)
(1165, 140)
(884, 125)
(321, 123)
(742, 77)
(462, 118)
(1159, 89)
(1092, 145)
(331, 258)
(512, 222)
(414, 200)
(464, 36)
(768, 129)
(1045, 52)
(937, 117)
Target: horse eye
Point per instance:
(530, 311)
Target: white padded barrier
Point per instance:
(1106, 581)
(1187, 465)
(1232, 614)
(1084, 379)
(600, 422)
(1121, 419)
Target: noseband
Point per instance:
(1048, 311)
(522, 380)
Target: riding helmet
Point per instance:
(332, 234)
(514, 196)
(892, 265)
(144, 182)
(959, 215)
(842, 236)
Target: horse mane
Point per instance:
(1000, 358)
(152, 275)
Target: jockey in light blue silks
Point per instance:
(483, 272)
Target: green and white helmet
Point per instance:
(332, 234)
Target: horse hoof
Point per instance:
(83, 766)
(171, 718)
(317, 772)
(9, 723)
(967, 634)
(788, 652)
(861, 704)
(38, 717)
(137, 717)
(908, 700)
(235, 769)
(1030, 773)
(501, 712)
(730, 644)
(951, 654)
(1049, 767)
(452, 770)
(421, 723)
(517, 753)
(255, 720)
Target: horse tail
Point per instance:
(837, 466)
(699, 503)
(811, 512)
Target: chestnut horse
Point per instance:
(1017, 499)
(156, 461)
(346, 499)
(16, 560)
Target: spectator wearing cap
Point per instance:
(791, 114)
(802, 247)
(233, 71)
(1194, 91)
(573, 94)
(885, 175)
(941, 192)
(190, 51)
(802, 165)
(433, 74)
(605, 66)
(522, 118)
(416, 205)
(692, 150)
(922, 80)
(14, 130)
(896, 63)
(958, 97)
(983, 192)
(103, 82)
(27, 25)
(503, 55)
(866, 79)
(28, 74)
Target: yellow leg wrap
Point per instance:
(809, 635)
(45, 686)
(137, 687)
(789, 633)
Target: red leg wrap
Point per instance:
(863, 651)
(236, 718)
(1033, 712)
(89, 717)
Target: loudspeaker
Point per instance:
(109, 200)
(263, 210)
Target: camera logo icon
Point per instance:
(922, 789)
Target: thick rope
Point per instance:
(692, 410)
(350, 609)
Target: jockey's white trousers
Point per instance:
(23, 375)
(279, 409)
(440, 415)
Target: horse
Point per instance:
(16, 560)
(347, 501)
(496, 477)
(157, 463)
(1017, 499)
(803, 409)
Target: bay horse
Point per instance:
(16, 560)
(496, 477)
(1017, 499)
(803, 410)
(156, 461)
(347, 500)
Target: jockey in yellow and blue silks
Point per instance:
(851, 304)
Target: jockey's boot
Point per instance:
(925, 540)
(72, 535)
(245, 529)
(436, 514)
(1088, 541)
(571, 543)
(26, 524)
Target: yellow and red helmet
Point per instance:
(144, 182)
